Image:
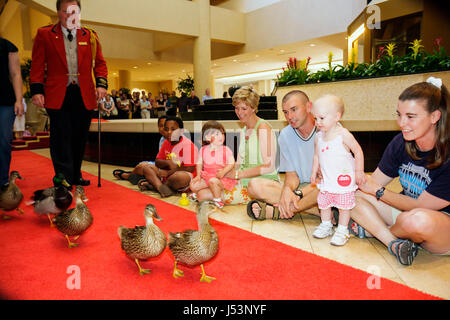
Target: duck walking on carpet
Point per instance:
(195, 247)
(143, 242)
(75, 221)
(52, 200)
(11, 196)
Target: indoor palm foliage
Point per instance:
(25, 68)
(186, 85)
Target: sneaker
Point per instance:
(323, 230)
(340, 237)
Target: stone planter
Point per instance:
(365, 99)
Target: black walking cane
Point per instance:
(99, 148)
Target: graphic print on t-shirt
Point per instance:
(414, 179)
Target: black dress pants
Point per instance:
(69, 129)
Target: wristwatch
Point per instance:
(379, 193)
(299, 193)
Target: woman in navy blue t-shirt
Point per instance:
(419, 156)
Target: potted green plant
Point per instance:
(186, 85)
(295, 72)
(25, 69)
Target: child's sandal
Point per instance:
(219, 203)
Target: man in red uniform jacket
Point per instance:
(63, 60)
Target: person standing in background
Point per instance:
(19, 123)
(207, 96)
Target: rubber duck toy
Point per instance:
(184, 201)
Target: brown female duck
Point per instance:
(75, 221)
(143, 242)
(195, 247)
(10, 195)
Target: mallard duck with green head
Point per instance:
(10, 195)
(52, 200)
(143, 242)
(195, 247)
(75, 221)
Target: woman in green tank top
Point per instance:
(257, 147)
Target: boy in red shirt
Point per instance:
(175, 164)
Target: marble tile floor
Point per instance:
(429, 273)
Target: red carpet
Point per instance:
(34, 259)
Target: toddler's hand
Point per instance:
(316, 176)
(360, 178)
(313, 179)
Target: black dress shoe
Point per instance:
(82, 182)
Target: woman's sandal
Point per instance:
(119, 172)
(405, 250)
(262, 214)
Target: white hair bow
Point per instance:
(435, 82)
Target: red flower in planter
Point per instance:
(438, 42)
(381, 52)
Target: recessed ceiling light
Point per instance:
(257, 56)
(234, 60)
(312, 45)
(282, 50)
(149, 63)
(135, 67)
(215, 64)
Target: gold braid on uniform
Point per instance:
(99, 81)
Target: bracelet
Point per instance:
(236, 175)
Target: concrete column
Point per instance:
(124, 79)
(26, 31)
(202, 50)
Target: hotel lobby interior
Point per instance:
(152, 45)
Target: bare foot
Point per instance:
(165, 191)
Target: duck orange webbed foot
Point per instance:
(206, 278)
(72, 244)
(141, 270)
(177, 273)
